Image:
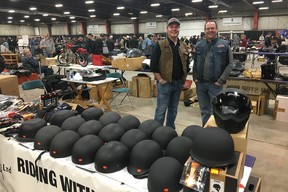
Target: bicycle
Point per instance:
(71, 53)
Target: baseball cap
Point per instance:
(173, 20)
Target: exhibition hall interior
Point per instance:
(143, 96)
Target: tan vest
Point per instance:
(166, 60)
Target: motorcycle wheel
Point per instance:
(64, 58)
(82, 60)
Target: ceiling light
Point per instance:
(53, 19)
(130, 13)
(263, 8)
(91, 10)
(9, 21)
(10, 17)
(36, 19)
(120, 8)
(92, 15)
(159, 15)
(257, 2)
(155, 4)
(45, 15)
(58, 5)
(73, 21)
(26, 16)
(133, 18)
(22, 21)
(222, 11)
(196, 1)
(188, 14)
(66, 13)
(11, 11)
(116, 14)
(277, 1)
(33, 8)
(89, 2)
(72, 17)
(175, 9)
(213, 6)
(143, 12)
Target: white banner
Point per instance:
(232, 21)
(19, 173)
(151, 25)
(94, 29)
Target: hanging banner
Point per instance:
(232, 21)
(151, 25)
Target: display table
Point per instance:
(19, 173)
(102, 92)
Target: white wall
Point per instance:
(266, 23)
(16, 30)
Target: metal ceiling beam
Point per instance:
(221, 2)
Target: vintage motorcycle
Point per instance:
(72, 54)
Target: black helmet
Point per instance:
(72, 123)
(213, 147)
(231, 109)
(29, 128)
(90, 127)
(179, 148)
(111, 132)
(109, 117)
(163, 135)
(191, 131)
(129, 122)
(149, 126)
(60, 116)
(165, 175)
(111, 157)
(62, 143)
(92, 113)
(132, 137)
(44, 137)
(142, 156)
(84, 150)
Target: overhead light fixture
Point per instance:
(89, 2)
(155, 4)
(33, 8)
(66, 13)
(196, 1)
(130, 13)
(133, 18)
(222, 11)
(11, 11)
(92, 15)
(277, 1)
(116, 14)
(120, 8)
(91, 10)
(143, 12)
(45, 15)
(72, 17)
(159, 15)
(263, 8)
(10, 17)
(73, 21)
(212, 6)
(9, 22)
(36, 19)
(53, 19)
(188, 14)
(257, 2)
(26, 16)
(175, 9)
(58, 5)
(22, 21)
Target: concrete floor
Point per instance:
(267, 138)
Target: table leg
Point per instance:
(78, 93)
(103, 96)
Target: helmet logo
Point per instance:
(104, 167)
(38, 143)
(54, 152)
(139, 170)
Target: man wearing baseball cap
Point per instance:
(169, 63)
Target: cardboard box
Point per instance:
(186, 94)
(134, 87)
(253, 184)
(144, 85)
(48, 61)
(250, 87)
(9, 85)
(128, 64)
(262, 102)
(281, 108)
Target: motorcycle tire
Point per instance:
(82, 60)
(64, 58)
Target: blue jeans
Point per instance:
(168, 96)
(206, 92)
